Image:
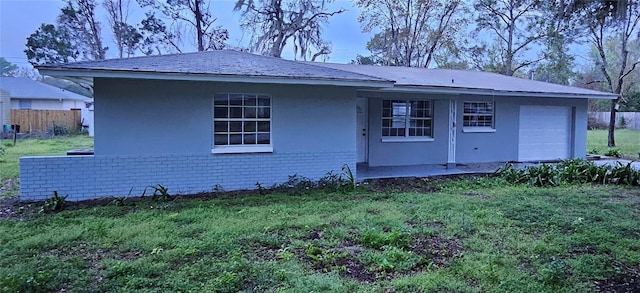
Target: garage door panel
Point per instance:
(545, 133)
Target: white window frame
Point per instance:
(407, 119)
(476, 128)
(242, 148)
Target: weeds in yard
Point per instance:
(218, 188)
(377, 239)
(160, 193)
(553, 273)
(296, 185)
(54, 203)
(351, 180)
(332, 182)
(578, 238)
(261, 190)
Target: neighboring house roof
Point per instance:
(234, 66)
(466, 81)
(26, 88)
(222, 65)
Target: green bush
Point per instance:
(54, 203)
(613, 153)
(58, 130)
(571, 172)
(160, 193)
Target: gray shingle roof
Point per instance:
(217, 63)
(26, 88)
(245, 67)
(463, 79)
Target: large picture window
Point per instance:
(478, 115)
(241, 120)
(406, 118)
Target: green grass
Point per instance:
(37, 147)
(470, 236)
(627, 141)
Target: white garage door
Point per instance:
(545, 133)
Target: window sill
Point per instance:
(478, 130)
(407, 139)
(241, 149)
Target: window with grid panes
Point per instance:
(478, 115)
(241, 120)
(406, 118)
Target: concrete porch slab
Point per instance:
(364, 171)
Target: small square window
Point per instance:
(241, 120)
(478, 115)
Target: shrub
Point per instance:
(54, 203)
(612, 152)
(56, 130)
(623, 122)
(343, 182)
(296, 185)
(571, 172)
(593, 123)
(2, 153)
(160, 193)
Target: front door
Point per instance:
(362, 129)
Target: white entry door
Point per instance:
(545, 133)
(362, 129)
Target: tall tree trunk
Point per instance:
(198, 16)
(509, 62)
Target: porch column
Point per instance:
(451, 157)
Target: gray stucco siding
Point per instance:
(502, 145)
(498, 146)
(471, 147)
(172, 117)
(384, 153)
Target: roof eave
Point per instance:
(88, 73)
(492, 92)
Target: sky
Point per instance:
(20, 18)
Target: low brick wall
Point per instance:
(87, 177)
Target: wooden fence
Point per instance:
(43, 120)
(631, 119)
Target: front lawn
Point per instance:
(470, 235)
(38, 147)
(627, 142)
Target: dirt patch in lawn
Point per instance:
(439, 251)
(627, 280)
(92, 257)
(9, 188)
(414, 184)
(348, 258)
(624, 195)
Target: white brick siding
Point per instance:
(87, 177)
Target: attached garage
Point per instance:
(545, 133)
